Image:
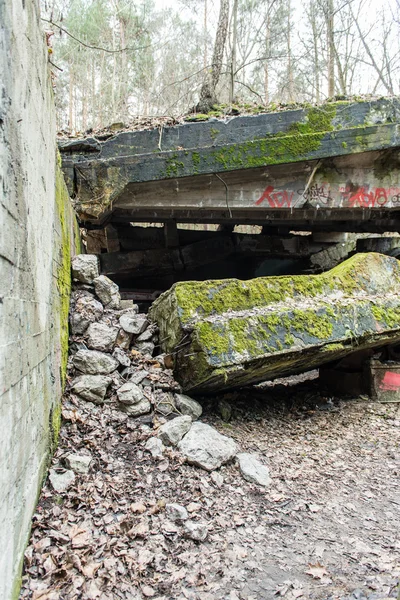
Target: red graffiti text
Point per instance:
(276, 198)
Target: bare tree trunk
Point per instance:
(331, 48)
(289, 53)
(233, 59)
(267, 53)
(207, 92)
(71, 100)
(205, 33)
(313, 21)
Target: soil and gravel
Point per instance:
(327, 527)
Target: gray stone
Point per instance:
(204, 447)
(124, 304)
(101, 336)
(87, 310)
(146, 336)
(188, 406)
(91, 387)
(61, 481)
(93, 362)
(253, 470)
(165, 403)
(79, 463)
(85, 267)
(107, 291)
(225, 410)
(176, 512)
(130, 393)
(133, 323)
(146, 348)
(173, 431)
(195, 530)
(217, 478)
(155, 446)
(132, 400)
(122, 357)
(138, 376)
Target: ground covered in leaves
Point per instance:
(326, 528)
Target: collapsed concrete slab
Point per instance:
(230, 333)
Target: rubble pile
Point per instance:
(111, 361)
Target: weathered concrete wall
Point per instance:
(37, 231)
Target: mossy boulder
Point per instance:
(229, 333)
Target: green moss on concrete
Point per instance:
(173, 166)
(389, 316)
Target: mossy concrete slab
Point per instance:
(230, 333)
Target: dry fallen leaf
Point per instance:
(317, 571)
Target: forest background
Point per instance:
(116, 60)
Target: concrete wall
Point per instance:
(37, 231)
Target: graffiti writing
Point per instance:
(276, 198)
(366, 198)
(316, 193)
(395, 199)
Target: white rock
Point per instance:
(107, 291)
(204, 447)
(130, 393)
(155, 447)
(176, 512)
(133, 323)
(132, 400)
(188, 406)
(79, 463)
(61, 481)
(129, 304)
(85, 267)
(217, 478)
(93, 362)
(122, 357)
(173, 431)
(86, 310)
(195, 530)
(146, 348)
(253, 470)
(146, 336)
(91, 387)
(101, 336)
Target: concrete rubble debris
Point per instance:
(155, 446)
(87, 310)
(121, 357)
(132, 399)
(85, 268)
(196, 531)
(173, 431)
(101, 336)
(188, 406)
(253, 470)
(205, 447)
(91, 387)
(93, 362)
(176, 512)
(79, 463)
(107, 291)
(61, 480)
(132, 323)
(229, 333)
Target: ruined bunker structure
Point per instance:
(230, 333)
(331, 170)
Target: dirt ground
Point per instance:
(326, 528)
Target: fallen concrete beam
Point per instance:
(229, 333)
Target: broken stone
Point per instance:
(61, 481)
(217, 478)
(123, 339)
(93, 362)
(87, 310)
(121, 357)
(165, 403)
(101, 336)
(196, 531)
(173, 431)
(146, 336)
(91, 387)
(79, 463)
(130, 393)
(85, 267)
(146, 348)
(129, 304)
(132, 400)
(253, 470)
(138, 376)
(155, 446)
(241, 332)
(188, 406)
(132, 323)
(107, 291)
(176, 512)
(204, 447)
